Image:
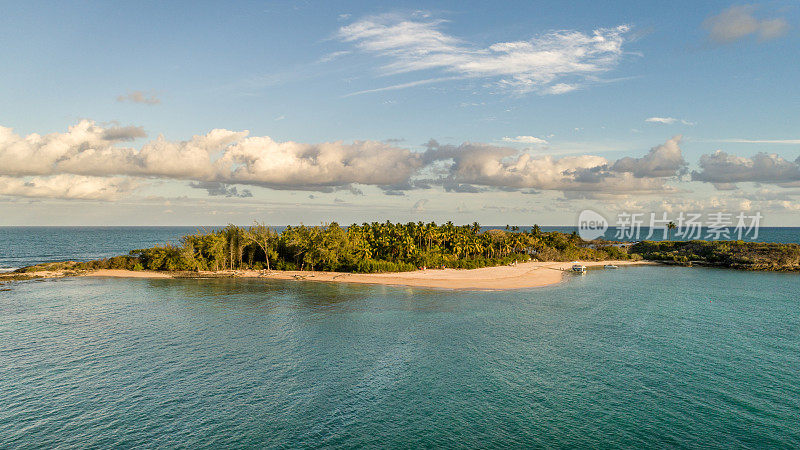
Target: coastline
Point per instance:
(520, 276)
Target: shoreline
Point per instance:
(519, 276)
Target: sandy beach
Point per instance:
(522, 275)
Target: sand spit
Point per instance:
(519, 276)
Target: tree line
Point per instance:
(768, 256)
(368, 247)
(396, 247)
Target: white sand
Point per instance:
(523, 275)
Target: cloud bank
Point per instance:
(221, 156)
(724, 170)
(471, 164)
(94, 162)
(67, 187)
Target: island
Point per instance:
(410, 254)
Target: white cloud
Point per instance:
(395, 87)
(222, 159)
(69, 187)
(725, 169)
(481, 165)
(738, 22)
(667, 120)
(292, 165)
(665, 160)
(553, 63)
(525, 140)
(218, 156)
(560, 88)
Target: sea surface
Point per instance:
(25, 246)
(639, 357)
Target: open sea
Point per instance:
(639, 357)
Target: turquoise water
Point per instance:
(25, 246)
(637, 357)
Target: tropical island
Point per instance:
(414, 253)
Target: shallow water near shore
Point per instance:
(639, 356)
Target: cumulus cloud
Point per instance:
(665, 160)
(291, 165)
(85, 150)
(221, 160)
(68, 187)
(739, 22)
(219, 156)
(525, 140)
(474, 165)
(724, 169)
(147, 98)
(553, 63)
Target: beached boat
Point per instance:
(579, 268)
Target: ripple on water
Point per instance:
(637, 357)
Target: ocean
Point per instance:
(24, 246)
(639, 357)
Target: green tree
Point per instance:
(264, 237)
(670, 226)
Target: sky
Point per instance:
(286, 112)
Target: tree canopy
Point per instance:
(368, 247)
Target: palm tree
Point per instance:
(476, 227)
(670, 226)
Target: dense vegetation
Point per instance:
(733, 254)
(369, 247)
(390, 247)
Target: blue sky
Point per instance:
(398, 74)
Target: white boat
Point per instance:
(579, 268)
(611, 266)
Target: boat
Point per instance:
(610, 266)
(579, 268)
